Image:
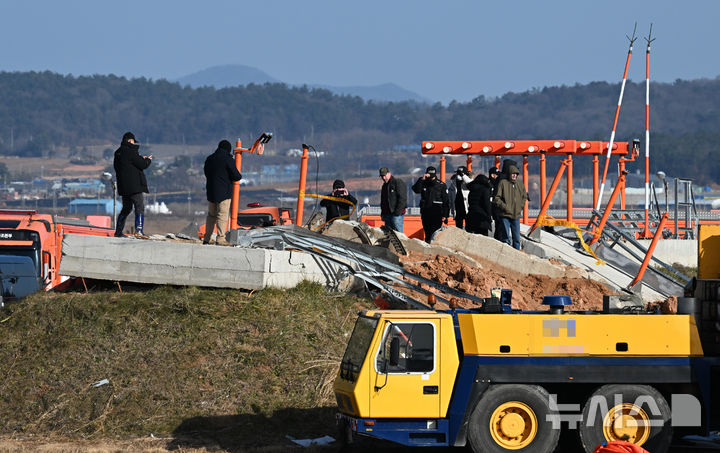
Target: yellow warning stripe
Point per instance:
(328, 197)
(545, 221)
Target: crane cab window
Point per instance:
(407, 348)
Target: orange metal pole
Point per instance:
(468, 164)
(442, 168)
(596, 169)
(651, 249)
(236, 187)
(543, 177)
(569, 188)
(301, 187)
(608, 209)
(497, 162)
(548, 199)
(525, 183)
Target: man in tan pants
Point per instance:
(220, 173)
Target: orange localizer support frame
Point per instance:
(548, 198)
(525, 183)
(651, 249)
(301, 187)
(608, 209)
(541, 148)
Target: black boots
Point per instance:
(120, 226)
(139, 221)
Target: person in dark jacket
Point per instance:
(459, 181)
(131, 183)
(499, 233)
(220, 173)
(479, 218)
(337, 209)
(510, 199)
(434, 202)
(393, 200)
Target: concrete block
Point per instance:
(479, 246)
(417, 246)
(176, 263)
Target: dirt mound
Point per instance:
(528, 290)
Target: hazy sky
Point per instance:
(442, 50)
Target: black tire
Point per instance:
(533, 397)
(658, 434)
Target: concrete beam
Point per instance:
(177, 263)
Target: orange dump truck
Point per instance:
(31, 247)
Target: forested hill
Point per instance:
(39, 109)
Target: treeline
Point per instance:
(41, 111)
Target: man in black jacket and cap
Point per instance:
(335, 209)
(434, 202)
(131, 183)
(221, 173)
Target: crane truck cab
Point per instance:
(506, 380)
(31, 248)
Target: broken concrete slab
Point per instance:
(487, 248)
(559, 247)
(176, 263)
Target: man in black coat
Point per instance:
(220, 172)
(131, 183)
(479, 207)
(434, 202)
(337, 209)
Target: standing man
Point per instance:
(434, 202)
(393, 200)
(131, 183)
(460, 180)
(499, 234)
(337, 209)
(510, 200)
(220, 173)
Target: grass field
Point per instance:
(199, 368)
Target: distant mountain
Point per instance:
(226, 76)
(235, 75)
(388, 92)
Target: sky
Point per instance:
(442, 50)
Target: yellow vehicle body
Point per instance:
(579, 335)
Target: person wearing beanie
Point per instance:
(220, 174)
(434, 202)
(510, 200)
(131, 184)
(336, 209)
(393, 200)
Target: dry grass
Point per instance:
(199, 367)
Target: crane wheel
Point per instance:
(633, 413)
(513, 417)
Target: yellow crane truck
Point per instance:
(501, 379)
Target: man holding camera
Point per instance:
(434, 202)
(335, 209)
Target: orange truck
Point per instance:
(31, 248)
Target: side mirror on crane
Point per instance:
(394, 351)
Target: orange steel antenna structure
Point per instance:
(608, 209)
(617, 114)
(301, 186)
(651, 249)
(646, 231)
(257, 147)
(529, 148)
